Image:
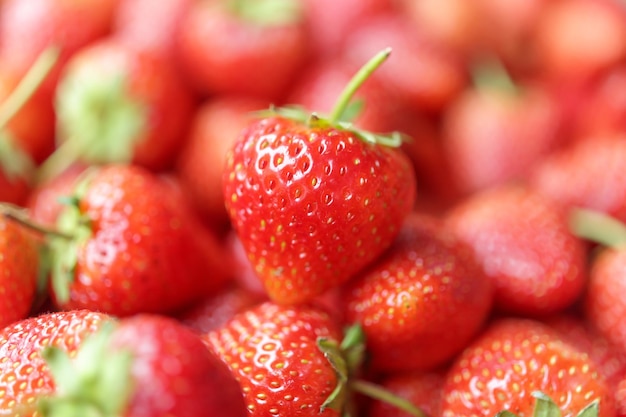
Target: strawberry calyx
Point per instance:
(598, 227)
(491, 74)
(95, 383)
(266, 12)
(344, 110)
(346, 359)
(546, 407)
(99, 122)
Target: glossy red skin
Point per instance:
(421, 72)
(422, 301)
(27, 28)
(588, 174)
(214, 128)
(19, 263)
(271, 350)
(522, 240)
(515, 357)
(173, 372)
(23, 373)
(222, 53)
(32, 127)
(491, 137)
(151, 82)
(312, 206)
(423, 389)
(147, 253)
(604, 308)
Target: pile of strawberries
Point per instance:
(377, 208)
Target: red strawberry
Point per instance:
(510, 361)
(522, 240)
(424, 389)
(273, 353)
(19, 263)
(28, 28)
(242, 47)
(315, 201)
(24, 376)
(200, 165)
(16, 172)
(588, 174)
(146, 365)
(131, 244)
(422, 301)
(118, 104)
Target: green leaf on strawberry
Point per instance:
(546, 407)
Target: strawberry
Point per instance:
(19, 263)
(589, 174)
(118, 104)
(424, 389)
(24, 375)
(214, 128)
(248, 47)
(314, 201)
(423, 300)
(128, 242)
(522, 240)
(512, 360)
(146, 365)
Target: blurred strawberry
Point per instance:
(117, 104)
(27, 28)
(129, 243)
(20, 264)
(422, 73)
(494, 134)
(575, 39)
(145, 365)
(16, 172)
(513, 362)
(424, 389)
(523, 241)
(247, 47)
(589, 174)
(24, 375)
(214, 128)
(422, 301)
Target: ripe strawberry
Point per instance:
(130, 244)
(118, 104)
(24, 375)
(19, 263)
(589, 174)
(510, 361)
(422, 301)
(215, 126)
(146, 365)
(315, 201)
(28, 28)
(248, 47)
(16, 172)
(424, 389)
(273, 353)
(522, 240)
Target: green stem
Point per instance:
(379, 393)
(18, 214)
(355, 83)
(28, 85)
(598, 227)
(63, 156)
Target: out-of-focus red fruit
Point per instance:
(318, 87)
(493, 136)
(421, 72)
(237, 47)
(27, 28)
(589, 174)
(575, 39)
(214, 128)
(13, 190)
(330, 22)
